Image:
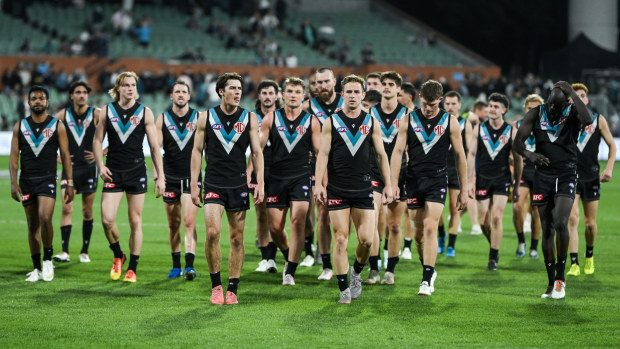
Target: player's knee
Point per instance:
(67, 210)
(236, 241)
(174, 223)
(590, 226)
(213, 235)
(87, 213)
(560, 225)
(340, 240)
(135, 221)
(189, 225)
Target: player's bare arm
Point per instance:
(257, 159)
(320, 194)
(199, 141)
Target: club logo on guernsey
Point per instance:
(290, 140)
(125, 130)
(37, 143)
(77, 130)
(318, 110)
(353, 142)
(553, 132)
(585, 135)
(429, 140)
(181, 138)
(228, 139)
(493, 148)
(390, 133)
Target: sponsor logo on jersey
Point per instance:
(25, 197)
(27, 133)
(47, 133)
(537, 197)
(481, 192)
(272, 199)
(244, 194)
(342, 129)
(216, 126)
(212, 195)
(418, 129)
(239, 127)
(370, 195)
(281, 128)
(114, 119)
(439, 130)
(412, 201)
(191, 126)
(333, 202)
(172, 127)
(485, 138)
(135, 120)
(52, 186)
(365, 129)
(109, 185)
(169, 194)
(71, 123)
(301, 129)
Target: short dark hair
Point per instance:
(325, 69)
(453, 94)
(431, 90)
(480, 104)
(180, 82)
(39, 88)
(500, 98)
(373, 96)
(75, 85)
(392, 75)
(376, 75)
(263, 85)
(408, 88)
(223, 79)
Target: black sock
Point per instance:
(408, 242)
(534, 244)
(291, 268)
(521, 237)
(343, 283)
(574, 258)
(133, 262)
(87, 231)
(116, 248)
(273, 249)
(215, 280)
(427, 273)
(385, 243)
(559, 269)
(265, 252)
(176, 260)
(357, 266)
(47, 253)
(451, 240)
(36, 260)
(285, 254)
(65, 233)
(374, 262)
(493, 254)
(308, 245)
(550, 265)
(327, 260)
(589, 251)
(441, 231)
(189, 259)
(392, 261)
(233, 283)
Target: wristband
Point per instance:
(69, 182)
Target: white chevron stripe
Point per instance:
(26, 129)
(74, 129)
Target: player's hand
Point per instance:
(196, 199)
(461, 202)
(69, 194)
(564, 86)
(16, 192)
(160, 186)
(88, 156)
(606, 176)
(472, 190)
(105, 174)
(538, 159)
(388, 195)
(320, 195)
(259, 193)
(515, 193)
(395, 193)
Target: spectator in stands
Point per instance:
(269, 23)
(194, 21)
(367, 56)
(65, 46)
(76, 47)
(343, 51)
(96, 19)
(280, 9)
(49, 48)
(25, 46)
(187, 55)
(143, 31)
(199, 55)
(121, 22)
(307, 33)
(291, 60)
(327, 33)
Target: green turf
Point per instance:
(82, 307)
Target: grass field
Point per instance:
(82, 307)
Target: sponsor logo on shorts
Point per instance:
(244, 194)
(342, 129)
(51, 186)
(212, 195)
(417, 129)
(481, 192)
(439, 130)
(109, 185)
(239, 127)
(443, 190)
(252, 186)
(371, 195)
(172, 127)
(365, 129)
(135, 120)
(272, 199)
(25, 197)
(375, 184)
(412, 201)
(537, 197)
(216, 126)
(143, 179)
(522, 181)
(281, 128)
(333, 202)
(90, 180)
(63, 182)
(169, 194)
(305, 187)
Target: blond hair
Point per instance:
(353, 78)
(113, 92)
(294, 81)
(579, 86)
(533, 98)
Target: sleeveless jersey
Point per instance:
(587, 144)
(178, 142)
(81, 133)
(291, 145)
(348, 166)
(389, 126)
(494, 147)
(428, 142)
(227, 138)
(530, 144)
(125, 129)
(267, 150)
(38, 146)
(557, 141)
(451, 161)
(322, 111)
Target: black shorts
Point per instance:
(338, 199)
(589, 190)
(487, 187)
(37, 186)
(423, 189)
(284, 190)
(527, 178)
(547, 187)
(378, 184)
(176, 187)
(85, 180)
(233, 199)
(453, 178)
(254, 183)
(133, 181)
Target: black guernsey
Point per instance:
(389, 124)
(428, 142)
(38, 146)
(291, 145)
(80, 133)
(451, 159)
(322, 111)
(494, 147)
(125, 129)
(557, 141)
(587, 144)
(348, 166)
(530, 145)
(227, 138)
(178, 142)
